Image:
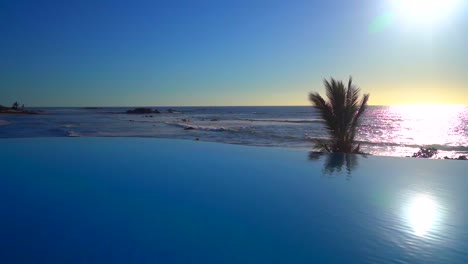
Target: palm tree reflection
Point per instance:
(335, 163)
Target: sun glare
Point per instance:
(422, 214)
(427, 124)
(424, 11)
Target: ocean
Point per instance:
(384, 130)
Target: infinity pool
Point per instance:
(130, 200)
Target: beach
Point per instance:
(122, 200)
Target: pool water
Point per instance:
(134, 200)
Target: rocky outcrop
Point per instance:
(425, 153)
(173, 111)
(462, 157)
(143, 111)
(92, 108)
(11, 111)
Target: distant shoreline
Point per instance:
(11, 111)
(20, 113)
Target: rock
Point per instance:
(142, 111)
(172, 111)
(189, 128)
(425, 153)
(16, 109)
(463, 157)
(7, 110)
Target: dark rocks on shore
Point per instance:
(462, 157)
(11, 111)
(428, 152)
(143, 111)
(425, 153)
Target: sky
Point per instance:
(214, 53)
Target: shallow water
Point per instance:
(130, 200)
(389, 131)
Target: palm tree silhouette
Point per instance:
(341, 114)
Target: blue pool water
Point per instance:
(135, 200)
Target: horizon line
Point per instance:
(103, 106)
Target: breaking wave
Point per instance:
(205, 128)
(73, 134)
(298, 121)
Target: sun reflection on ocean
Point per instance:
(428, 124)
(405, 128)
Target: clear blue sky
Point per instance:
(119, 53)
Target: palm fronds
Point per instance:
(341, 112)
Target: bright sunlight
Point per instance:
(425, 11)
(422, 214)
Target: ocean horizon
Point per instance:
(384, 130)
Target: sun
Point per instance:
(425, 11)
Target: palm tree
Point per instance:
(341, 114)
